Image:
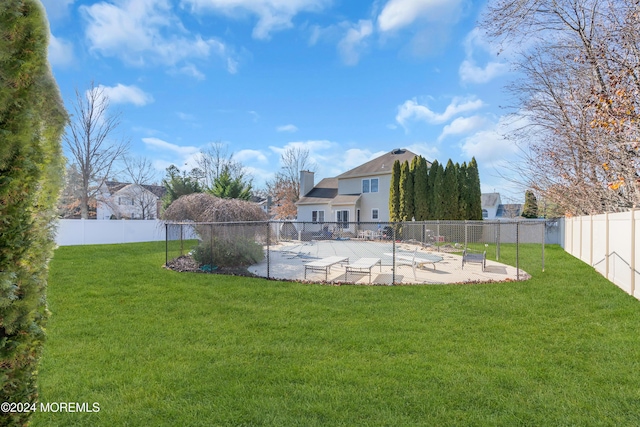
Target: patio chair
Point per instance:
(474, 257)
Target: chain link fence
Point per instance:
(429, 252)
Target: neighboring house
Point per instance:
(493, 208)
(122, 200)
(358, 195)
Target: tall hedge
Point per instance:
(421, 188)
(394, 193)
(406, 192)
(32, 119)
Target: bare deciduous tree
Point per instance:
(284, 188)
(578, 90)
(141, 173)
(90, 140)
(214, 160)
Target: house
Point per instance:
(493, 208)
(122, 200)
(358, 195)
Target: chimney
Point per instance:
(306, 182)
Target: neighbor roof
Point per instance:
(380, 165)
(324, 191)
(490, 199)
(115, 186)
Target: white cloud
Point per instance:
(273, 15)
(244, 156)
(159, 144)
(191, 71)
(287, 128)
(411, 110)
(397, 14)
(60, 51)
(471, 73)
(476, 43)
(490, 147)
(354, 41)
(134, 31)
(463, 125)
(121, 94)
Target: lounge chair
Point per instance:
(363, 265)
(325, 265)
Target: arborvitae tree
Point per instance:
(394, 193)
(463, 191)
(439, 193)
(474, 192)
(450, 199)
(530, 209)
(421, 189)
(406, 192)
(32, 120)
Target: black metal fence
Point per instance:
(430, 252)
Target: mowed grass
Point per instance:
(159, 348)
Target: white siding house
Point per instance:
(358, 195)
(118, 200)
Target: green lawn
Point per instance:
(159, 348)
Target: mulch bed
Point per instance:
(186, 264)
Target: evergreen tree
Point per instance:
(406, 192)
(394, 193)
(438, 193)
(32, 120)
(530, 209)
(179, 184)
(450, 185)
(474, 191)
(463, 190)
(227, 186)
(421, 189)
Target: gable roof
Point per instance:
(490, 199)
(115, 186)
(382, 165)
(323, 192)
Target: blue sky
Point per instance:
(348, 80)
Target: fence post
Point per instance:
(591, 239)
(518, 250)
(438, 235)
(268, 249)
(166, 243)
(466, 226)
(498, 242)
(181, 240)
(393, 258)
(544, 236)
(632, 261)
(606, 245)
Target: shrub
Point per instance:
(239, 252)
(32, 119)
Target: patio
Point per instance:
(414, 264)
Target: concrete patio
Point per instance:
(287, 261)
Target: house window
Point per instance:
(375, 214)
(485, 213)
(317, 216)
(342, 217)
(370, 185)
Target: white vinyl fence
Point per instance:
(608, 243)
(87, 232)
